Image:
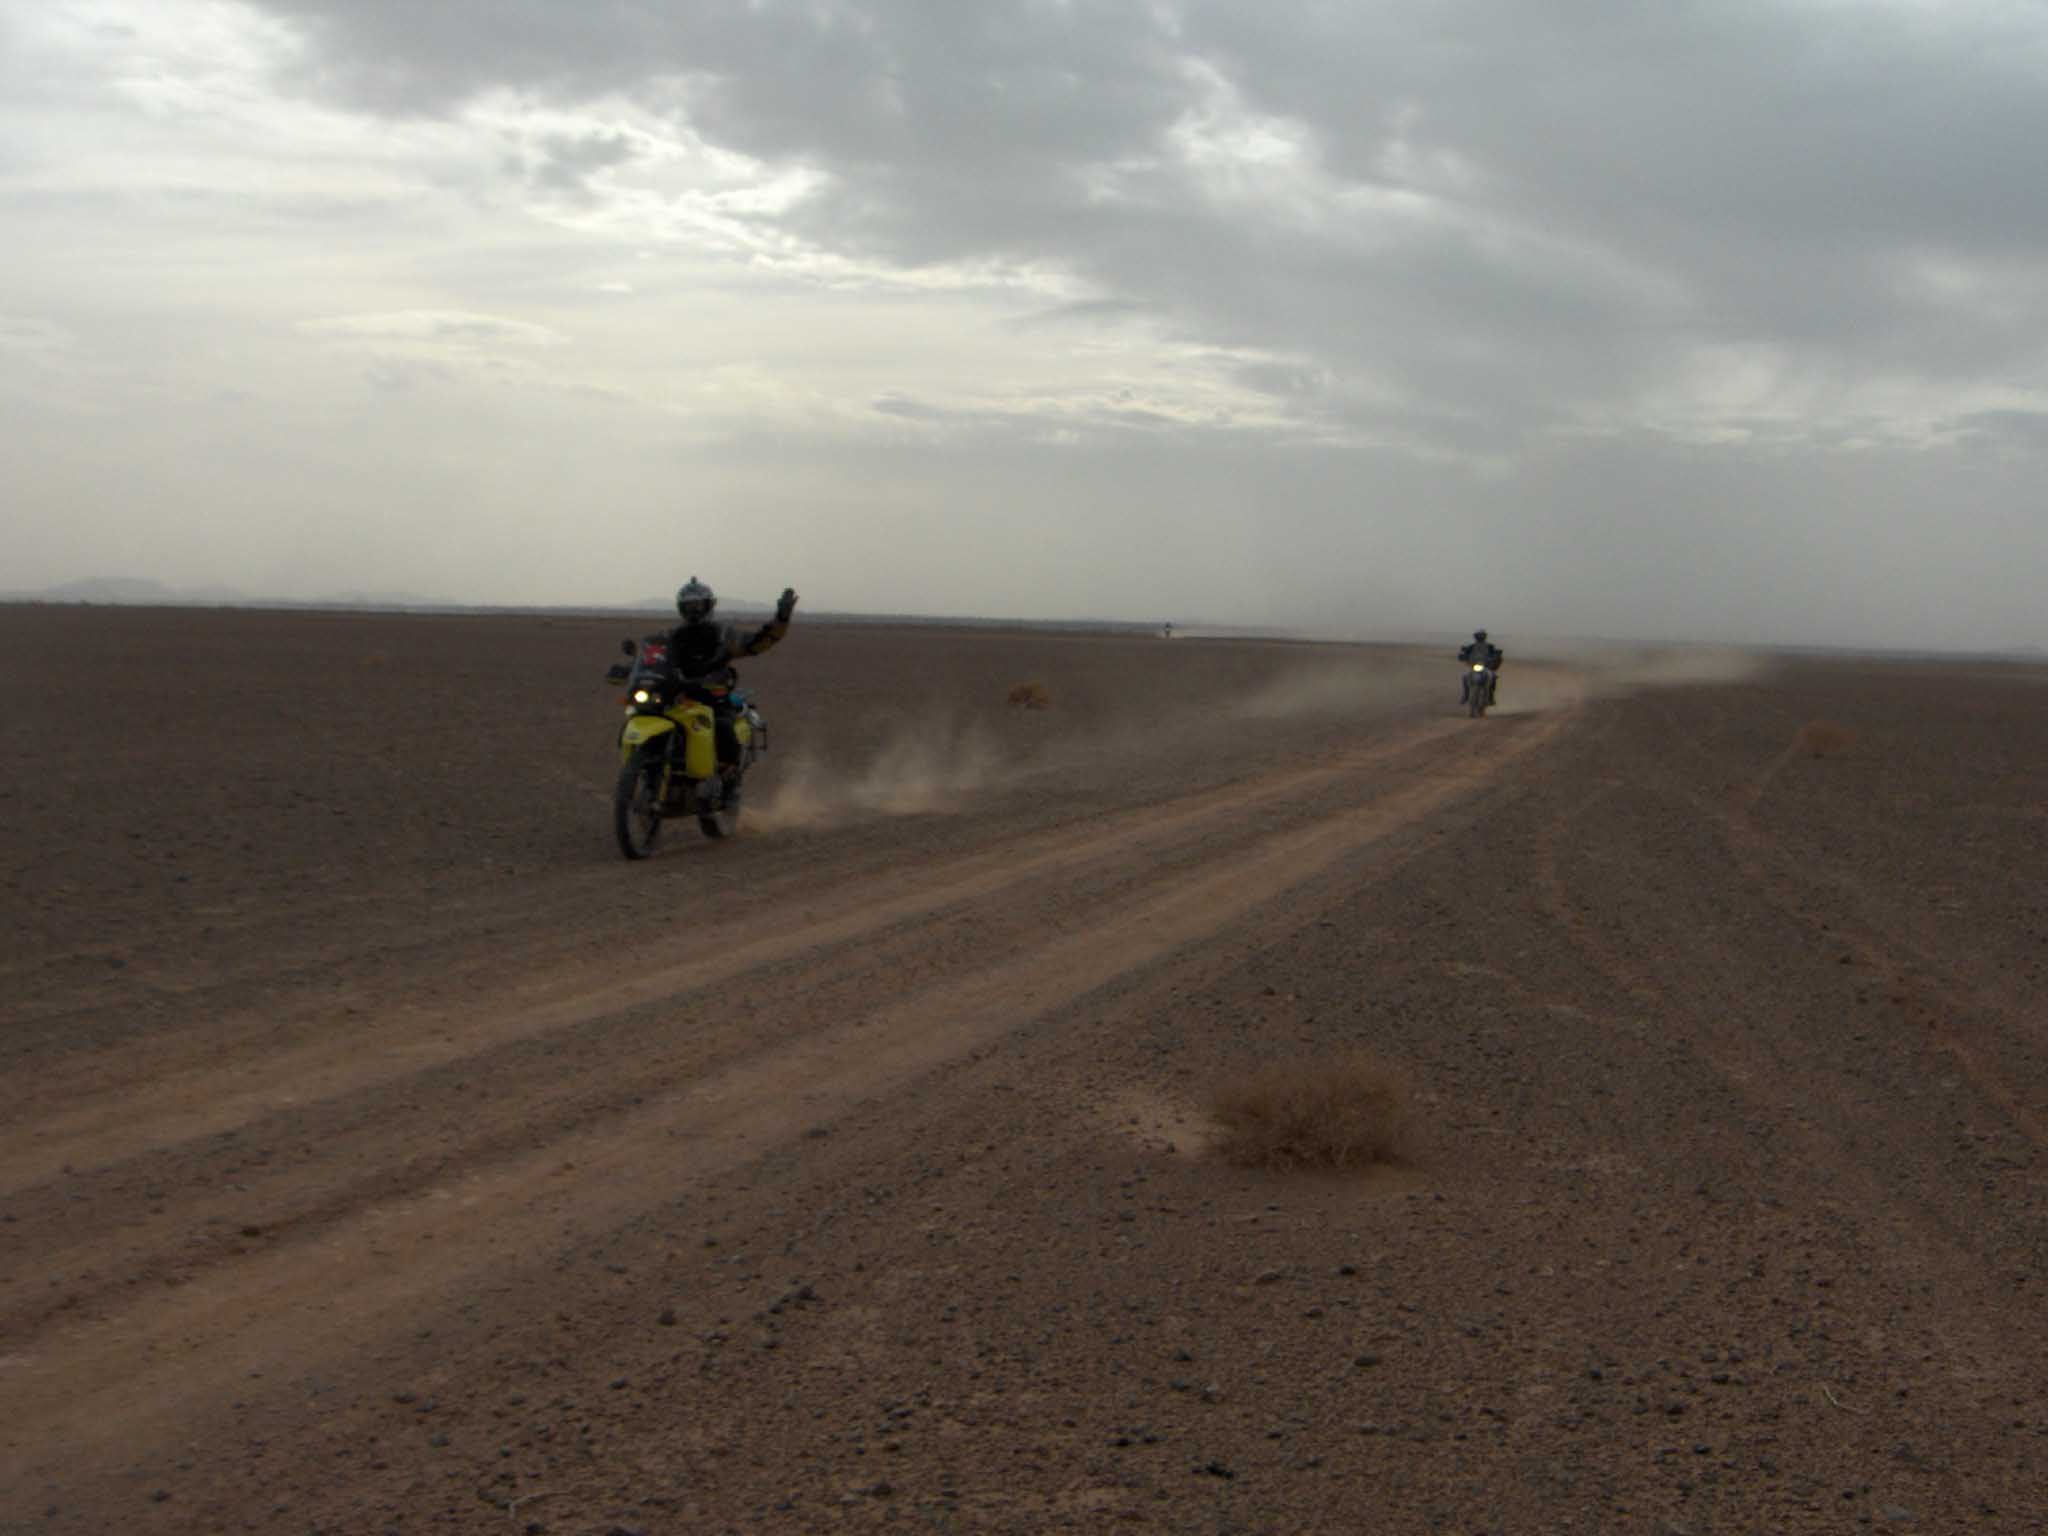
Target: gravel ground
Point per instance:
(386, 1154)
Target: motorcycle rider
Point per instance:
(1483, 652)
(701, 653)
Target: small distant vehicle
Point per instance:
(1479, 681)
(668, 751)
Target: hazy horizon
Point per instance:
(1726, 323)
(1688, 658)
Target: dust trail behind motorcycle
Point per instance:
(1554, 676)
(1212, 713)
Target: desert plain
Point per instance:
(383, 1153)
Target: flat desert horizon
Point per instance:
(385, 1153)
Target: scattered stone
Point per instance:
(797, 1295)
(1215, 1469)
(667, 1318)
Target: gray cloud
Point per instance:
(565, 162)
(1523, 209)
(1639, 296)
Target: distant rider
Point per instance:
(702, 654)
(1486, 653)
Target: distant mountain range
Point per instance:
(125, 589)
(139, 592)
(726, 605)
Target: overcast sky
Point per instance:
(1725, 319)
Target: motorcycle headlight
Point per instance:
(641, 695)
(1478, 666)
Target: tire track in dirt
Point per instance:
(264, 1174)
(147, 1106)
(1831, 1128)
(335, 1288)
(1786, 884)
(1918, 985)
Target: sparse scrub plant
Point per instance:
(1030, 696)
(1823, 738)
(1345, 1113)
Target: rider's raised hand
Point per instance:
(786, 606)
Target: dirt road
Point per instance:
(387, 1155)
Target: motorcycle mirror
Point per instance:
(629, 648)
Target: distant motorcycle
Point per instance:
(1479, 685)
(668, 751)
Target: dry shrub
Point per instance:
(1030, 696)
(1346, 1113)
(1823, 738)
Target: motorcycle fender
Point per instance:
(640, 730)
(700, 740)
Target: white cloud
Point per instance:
(33, 334)
(436, 327)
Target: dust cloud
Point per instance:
(938, 767)
(920, 770)
(1348, 687)
(1680, 668)
(1556, 676)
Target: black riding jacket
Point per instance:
(1493, 656)
(702, 654)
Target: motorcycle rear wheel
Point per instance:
(636, 807)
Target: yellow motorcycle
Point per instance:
(668, 750)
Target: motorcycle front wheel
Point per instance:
(636, 806)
